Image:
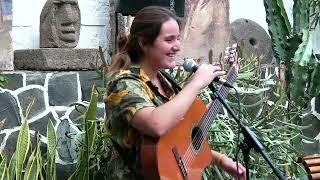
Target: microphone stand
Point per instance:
(250, 140)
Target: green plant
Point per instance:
(86, 141)
(293, 47)
(3, 80)
(101, 70)
(27, 162)
(94, 145)
(51, 152)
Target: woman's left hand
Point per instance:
(228, 165)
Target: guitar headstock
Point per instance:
(231, 56)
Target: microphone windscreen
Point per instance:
(189, 65)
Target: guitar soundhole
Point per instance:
(197, 137)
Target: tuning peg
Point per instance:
(234, 45)
(233, 51)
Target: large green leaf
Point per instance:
(39, 163)
(12, 166)
(23, 143)
(31, 171)
(82, 171)
(91, 113)
(52, 142)
(3, 170)
(52, 139)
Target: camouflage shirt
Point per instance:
(127, 92)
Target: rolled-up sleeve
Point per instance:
(126, 97)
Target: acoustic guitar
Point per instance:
(183, 152)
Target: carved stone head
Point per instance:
(60, 24)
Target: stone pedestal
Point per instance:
(60, 59)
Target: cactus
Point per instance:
(293, 46)
(279, 27)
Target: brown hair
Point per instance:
(146, 25)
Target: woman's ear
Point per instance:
(142, 43)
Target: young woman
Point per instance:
(140, 101)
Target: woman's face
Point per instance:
(161, 54)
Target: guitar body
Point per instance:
(157, 155)
(183, 152)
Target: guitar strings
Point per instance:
(199, 139)
(188, 157)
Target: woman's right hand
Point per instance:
(205, 75)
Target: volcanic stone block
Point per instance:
(26, 97)
(15, 81)
(37, 78)
(87, 79)
(9, 111)
(41, 124)
(63, 89)
(47, 59)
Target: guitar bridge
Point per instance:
(180, 162)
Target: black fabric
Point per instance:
(175, 85)
(154, 89)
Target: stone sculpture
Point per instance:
(60, 24)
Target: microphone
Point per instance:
(191, 66)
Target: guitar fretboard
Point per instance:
(216, 105)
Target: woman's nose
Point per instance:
(176, 46)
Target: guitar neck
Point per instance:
(216, 105)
